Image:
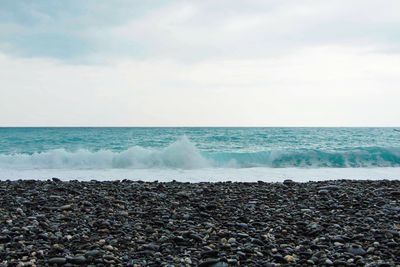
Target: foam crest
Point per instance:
(183, 154)
(180, 154)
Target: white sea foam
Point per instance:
(180, 154)
(208, 174)
(183, 154)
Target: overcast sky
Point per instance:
(200, 63)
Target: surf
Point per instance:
(184, 154)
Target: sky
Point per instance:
(200, 63)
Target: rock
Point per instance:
(183, 194)
(310, 262)
(242, 225)
(323, 192)
(231, 240)
(340, 263)
(209, 254)
(289, 258)
(232, 262)
(257, 242)
(5, 238)
(208, 262)
(356, 250)
(220, 264)
(241, 254)
(109, 247)
(395, 193)
(370, 250)
(288, 182)
(57, 260)
(187, 260)
(196, 237)
(93, 253)
(329, 187)
(242, 235)
(66, 207)
(151, 246)
(77, 260)
(220, 224)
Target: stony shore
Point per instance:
(126, 223)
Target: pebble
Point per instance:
(323, 191)
(231, 240)
(289, 258)
(77, 260)
(66, 207)
(132, 223)
(288, 182)
(208, 262)
(93, 253)
(58, 260)
(357, 250)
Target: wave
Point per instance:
(180, 154)
(350, 158)
(183, 154)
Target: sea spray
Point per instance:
(180, 154)
(197, 148)
(183, 154)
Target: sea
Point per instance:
(199, 154)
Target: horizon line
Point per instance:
(229, 126)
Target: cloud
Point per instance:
(329, 85)
(193, 63)
(188, 31)
(62, 30)
(99, 31)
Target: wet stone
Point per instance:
(357, 250)
(288, 182)
(93, 253)
(58, 260)
(208, 262)
(77, 260)
(132, 223)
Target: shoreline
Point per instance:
(134, 223)
(253, 174)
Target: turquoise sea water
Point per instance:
(197, 148)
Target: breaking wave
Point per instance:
(183, 154)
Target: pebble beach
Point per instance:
(133, 223)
